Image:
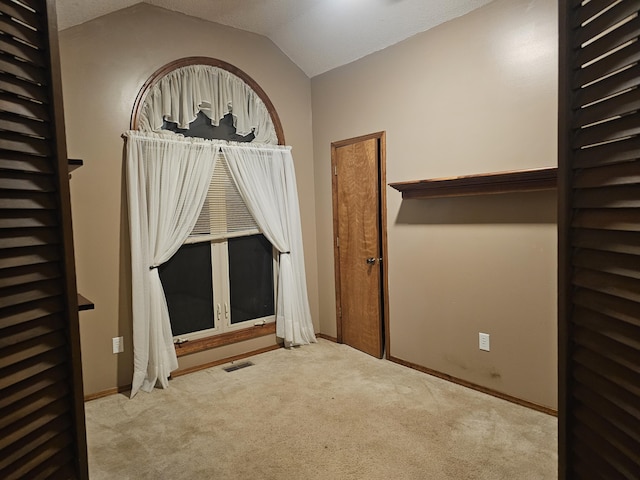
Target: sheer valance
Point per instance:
(182, 93)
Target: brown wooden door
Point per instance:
(359, 232)
(599, 247)
(42, 429)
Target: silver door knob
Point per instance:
(371, 261)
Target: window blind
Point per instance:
(224, 213)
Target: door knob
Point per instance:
(371, 261)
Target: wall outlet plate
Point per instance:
(484, 342)
(117, 344)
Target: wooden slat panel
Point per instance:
(20, 106)
(32, 385)
(622, 310)
(609, 197)
(17, 257)
(11, 47)
(622, 105)
(622, 419)
(27, 425)
(620, 353)
(608, 175)
(40, 373)
(615, 437)
(37, 6)
(24, 144)
(625, 57)
(24, 15)
(601, 444)
(17, 373)
(20, 162)
(621, 287)
(618, 152)
(612, 263)
(22, 69)
(33, 403)
(27, 237)
(599, 240)
(45, 461)
(603, 132)
(621, 332)
(31, 330)
(22, 447)
(626, 219)
(21, 32)
(24, 275)
(620, 242)
(31, 292)
(11, 122)
(623, 34)
(590, 463)
(603, 22)
(56, 467)
(613, 393)
(16, 200)
(33, 348)
(628, 78)
(26, 181)
(590, 9)
(17, 86)
(28, 219)
(624, 378)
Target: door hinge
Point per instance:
(335, 170)
(340, 312)
(337, 242)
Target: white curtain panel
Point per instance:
(167, 182)
(182, 93)
(265, 178)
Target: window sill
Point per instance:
(215, 341)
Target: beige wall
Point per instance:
(477, 94)
(104, 64)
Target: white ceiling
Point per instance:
(318, 35)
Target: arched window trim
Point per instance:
(183, 62)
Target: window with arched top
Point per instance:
(222, 279)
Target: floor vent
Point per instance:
(237, 366)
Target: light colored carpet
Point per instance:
(323, 411)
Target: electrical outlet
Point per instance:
(484, 341)
(118, 344)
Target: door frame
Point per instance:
(382, 224)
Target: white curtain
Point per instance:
(167, 181)
(182, 93)
(266, 180)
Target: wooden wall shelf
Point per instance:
(84, 303)
(74, 163)
(480, 184)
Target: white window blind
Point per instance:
(224, 214)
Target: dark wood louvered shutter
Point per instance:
(599, 240)
(42, 433)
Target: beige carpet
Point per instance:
(323, 411)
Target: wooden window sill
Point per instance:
(215, 341)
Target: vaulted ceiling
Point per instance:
(318, 35)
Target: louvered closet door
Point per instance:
(599, 168)
(41, 405)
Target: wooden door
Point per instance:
(359, 230)
(42, 429)
(599, 233)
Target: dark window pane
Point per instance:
(250, 278)
(187, 283)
